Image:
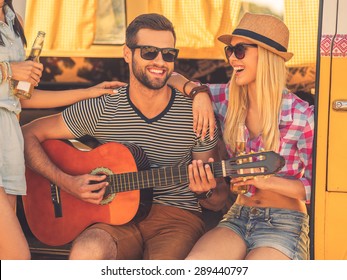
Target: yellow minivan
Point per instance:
(329, 201)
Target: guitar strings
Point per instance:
(162, 176)
(135, 180)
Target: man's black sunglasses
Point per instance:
(239, 50)
(150, 52)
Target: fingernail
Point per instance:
(114, 91)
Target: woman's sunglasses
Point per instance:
(150, 52)
(239, 50)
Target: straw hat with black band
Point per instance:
(266, 31)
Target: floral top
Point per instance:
(296, 124)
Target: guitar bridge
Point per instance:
(55, 195)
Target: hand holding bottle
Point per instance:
(240, 150)
(29, 71)
(25, 88)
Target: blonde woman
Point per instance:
(270, 220)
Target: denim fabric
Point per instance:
(12, 51)
(282, 229)
(12, 167)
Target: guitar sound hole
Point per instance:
(97, 182)
(96, 191)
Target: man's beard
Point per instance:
(141, 76)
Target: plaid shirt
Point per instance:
(296, 126)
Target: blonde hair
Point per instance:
(270, 82)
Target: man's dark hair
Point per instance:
(147, 21)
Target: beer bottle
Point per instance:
(25, 89)
(241, 150)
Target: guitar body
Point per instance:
(76, 214)
(56, 217)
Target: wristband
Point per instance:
(186, 83)
(204, 195)
(184, 88)
(202, 88)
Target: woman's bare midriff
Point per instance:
(264, 198)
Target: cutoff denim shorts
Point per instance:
(12, 167)
(282, 229)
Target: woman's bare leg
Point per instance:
(266, 253)
(13, 244)
(219, 243)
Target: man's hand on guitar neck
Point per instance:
(202, 180)
(87, 187)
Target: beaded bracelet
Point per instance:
(9, 70)
(0, 73)
(3, 71)
(9, 76)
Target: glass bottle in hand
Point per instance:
(25, 89)
(241, 150)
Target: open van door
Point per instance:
(330, 194)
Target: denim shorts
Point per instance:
(281, 229)
(12, 167)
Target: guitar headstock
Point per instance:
(254, 164)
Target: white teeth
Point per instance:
(238, 68)
(156, 71)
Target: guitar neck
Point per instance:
(255, 164)
(154, 177)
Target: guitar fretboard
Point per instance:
(154, 177)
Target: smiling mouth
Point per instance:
(156, 71)
(238, 69)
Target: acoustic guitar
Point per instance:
(56, 217)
